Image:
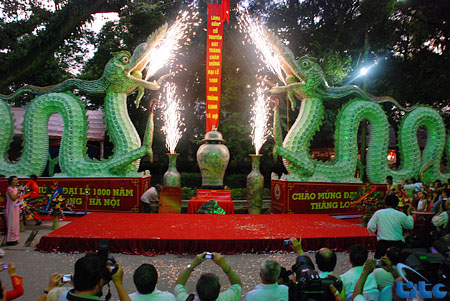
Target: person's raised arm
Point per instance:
(232, 276)
(387, 265)
(338, 296)
(367, 269)
(297, 245)
(408, 221)
(186, 273)
(54, 281)
(117, 279)
(372, 224)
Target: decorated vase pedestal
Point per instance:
(172, 177)
(255, 185)
(212, 159)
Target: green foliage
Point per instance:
(188, 192)
(238, 193)
(193, 180)
(236, 180)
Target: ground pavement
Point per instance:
(36, 267)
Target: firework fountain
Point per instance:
(163, 54)
(173, 129)
(257, 35)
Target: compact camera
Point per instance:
(5, 266)
(66, 278)
(209, 255)
(287, 242)
(379, 264)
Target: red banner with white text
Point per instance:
(213, 65)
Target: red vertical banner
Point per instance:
(213, 65)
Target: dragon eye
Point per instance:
(124, 59)
(305, 64)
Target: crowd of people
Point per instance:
(367, 279)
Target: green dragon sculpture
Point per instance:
(305, 81)
(122, 76)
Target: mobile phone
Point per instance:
(378, 264)
(66, 278)
(209, 255)
(287, 242)
(5, 266)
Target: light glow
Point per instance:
(257, 34)
(259, 119)
(173, 127)
(164, 53)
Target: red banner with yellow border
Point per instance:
(213, 65)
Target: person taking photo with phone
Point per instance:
(208, 285)
(17, 282)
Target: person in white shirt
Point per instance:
(152, 194)
(269, 289)
(358, 256)
(145, 278)
(326, 262)
(423, 201)
(388, 224)
(208, 286)
(441, 220)
(384, 275)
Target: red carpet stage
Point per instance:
(150, 234)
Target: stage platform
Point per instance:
(151, 234)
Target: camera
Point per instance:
(5, 266)
(103, 253)
(66, 278)
(379, 264)
(309, 285)
(209, 255)
(287, 242)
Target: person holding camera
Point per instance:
(208, 286)
(269, 289)
(358, 256)
(145, 278)
(91, 274)
(386, 270)
(54, 289)
(388, 223)
(15, 280)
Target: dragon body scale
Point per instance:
(122, 76)
(306, 82)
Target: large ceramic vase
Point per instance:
(172, 177)
(212, 159)
(255, 185)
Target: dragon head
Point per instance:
(124, 71)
